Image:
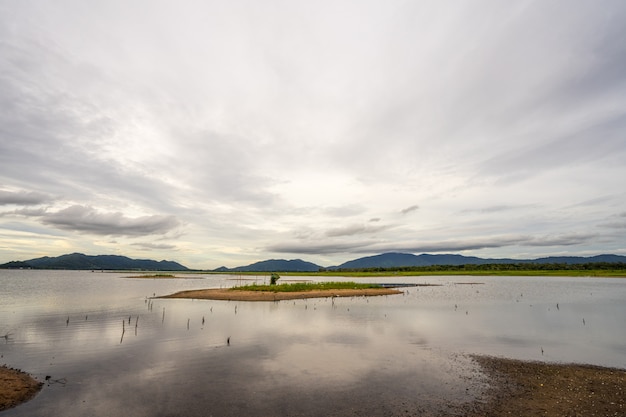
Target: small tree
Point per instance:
(274, 278)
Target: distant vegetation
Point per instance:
(152, 276)
(583, 269)
(306, 286)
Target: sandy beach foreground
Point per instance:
(16, 387)
(515, 388)
(240, 295)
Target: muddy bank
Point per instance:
(16, 387)
(239, 295)
(536, 389)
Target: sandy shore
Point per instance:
(16, 387)
(238, 295)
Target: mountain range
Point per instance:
(385, 260)
(398, 260)
(108, 262)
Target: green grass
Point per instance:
(153, 276)
(533, 273)
(365, 274)
(306, 286)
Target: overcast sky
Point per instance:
(227, 132)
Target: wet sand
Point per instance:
(239, 295)
(538, 389)
(16, 387)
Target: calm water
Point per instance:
(110, 349)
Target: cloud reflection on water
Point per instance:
(307, 357)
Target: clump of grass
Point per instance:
(153, 276)
(306, 286)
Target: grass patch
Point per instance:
(516, 273)
(153, 276)
(306, 286)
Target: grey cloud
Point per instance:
(487, 243)
(433, 247)
(498, 208)
(565, 149)
(315, 248)
(374, 219)
(613, 225)
(355, 229)
(344, 211)
(409, 209)
(27, 212)
(88, 220)
(148, 245)
(23, 198)
(615, 222)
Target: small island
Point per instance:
(287, 291)
(16, 387)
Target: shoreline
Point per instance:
(16, 387)
(229, 294)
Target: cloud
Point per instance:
(499, 120)
(149, 246)
(23, 198)
(436, 247)
(315, 248)
(26, 212)
(499, 208)
(409, 209)
(355, 229)
(87, 219)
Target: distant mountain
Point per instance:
(397, 260)
(109, 262)
(275, 265)
(386, 260)
(394, 260)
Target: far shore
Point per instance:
(232, 294)
(160, 276)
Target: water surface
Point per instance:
(111, 349)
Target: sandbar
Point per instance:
(240, 295)
(16, 387)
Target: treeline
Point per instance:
(522, 266)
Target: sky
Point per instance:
(228, 132)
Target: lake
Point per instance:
(111, 349)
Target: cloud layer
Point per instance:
(227, 132)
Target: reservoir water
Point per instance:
(109, 348)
